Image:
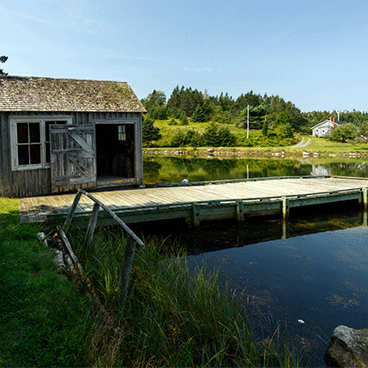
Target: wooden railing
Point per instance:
(131, 244)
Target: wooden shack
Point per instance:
(57, 135)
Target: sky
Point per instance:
(314, 54)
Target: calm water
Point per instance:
(175, 169)
(308, 283)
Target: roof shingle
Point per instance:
(72, 95)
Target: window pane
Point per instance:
(47, 130)
(22, 130)
(23, 155)
(47, 152)
(35, 150)
(34, 130)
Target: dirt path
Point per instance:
(302, 143)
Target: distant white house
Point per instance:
(319, 170)
(325, 128)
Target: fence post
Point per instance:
(92, 224)
(126, 268)
(71, 212)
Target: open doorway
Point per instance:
(115, 153)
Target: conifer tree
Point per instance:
(198, 116)
(265, 128)
(150, 133)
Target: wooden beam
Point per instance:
(92, 224)
(126, 267)
(71, 212)
(69, 248)
(116, 218)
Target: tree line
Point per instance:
(265, 112)
(186, 103)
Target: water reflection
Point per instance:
(175, 169)
(312, 268)
(317, 275)
(319, 279)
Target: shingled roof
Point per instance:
(72, 95)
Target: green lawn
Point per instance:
(43, 318)
(322, 145)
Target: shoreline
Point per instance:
(239, 152)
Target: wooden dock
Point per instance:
(200, 201)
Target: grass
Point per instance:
(325, 145)
(322, 145)
(256, 139)
(43, 319)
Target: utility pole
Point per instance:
(248, 123)
(338, 114)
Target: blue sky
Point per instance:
(314, 54)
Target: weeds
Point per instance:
(175, 315)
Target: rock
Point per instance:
(348, 348)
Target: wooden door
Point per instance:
(72, 157)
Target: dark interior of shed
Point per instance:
(115, 150)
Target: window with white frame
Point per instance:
(30, 141)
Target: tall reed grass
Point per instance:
(175, 315)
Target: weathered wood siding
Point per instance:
(25, 183)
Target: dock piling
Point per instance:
(285, 208)
(239, 210)
(196, 215)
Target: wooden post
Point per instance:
(196, 215)
(285, 208)
(239, 210)
(365, 203)
(69, 248)
(285, 216)
(71, 213)
(92, 224)
(126, 268)
(365, 198)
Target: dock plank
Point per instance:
(37, 209)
